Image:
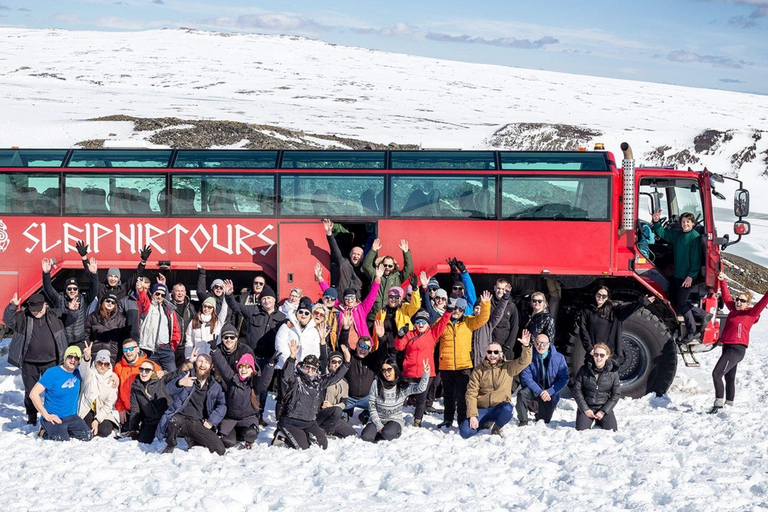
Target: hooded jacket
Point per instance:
(362, 370)
(597, 390)
(75, 331)
(307, 337)
(304, 394)
(106, 333)
(491, 385)
(97, 394)
(22, 324)
(127, 373)
(215, 403)
(557, 374)
(149, 400)
(605, 326)
(418, 347)
(456, 340)
(261, 327)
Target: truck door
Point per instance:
(300, 245)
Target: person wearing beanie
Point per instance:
(462, 282)
(106, 327)
(329, 416)
(97, 394)
(61, 388)
(434, 302)
(204, 327)
(113, 283)
(301, 328)
(393, 275)
(350, 269)
(395, 317)
(349, 301)
(159, 332)
(241, 422)
(254, 295)
(455, 356)
(223, 311)
(232, 349)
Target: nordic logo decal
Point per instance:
(4, 240)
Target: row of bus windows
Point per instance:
(522, 197)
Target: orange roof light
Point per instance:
(599, 146)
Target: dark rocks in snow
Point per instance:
(708, 141)
(744, 274)
(542, 137)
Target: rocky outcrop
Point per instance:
(542, 137)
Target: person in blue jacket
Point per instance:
(541, 382)
(199, 405)
(462, 281)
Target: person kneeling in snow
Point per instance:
(329, 415)
(198, 407)
(303, 388)
(242, 419)
(490, 389)
(99, 393)
(542, 381)
(597, 390)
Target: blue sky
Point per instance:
(720, 44)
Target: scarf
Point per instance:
(542, 365)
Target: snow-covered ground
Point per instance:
(667, 455)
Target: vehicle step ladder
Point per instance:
(686, 353)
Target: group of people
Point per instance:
(135, 359)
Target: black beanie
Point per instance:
(305, 303)
(267, 291)
(350, 291)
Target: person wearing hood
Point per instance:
(456, 355)
(241, 423)
(336, 396)
(597, 390)
(392, 274)
(159, 331)
(113, 283)
(603, 320)
(105, 328)
(541, 382)
(303, 389)
(98, 392)
(351, 273)
(72, 297)
(489, 392)
(223, 311)
(199, 405)
(387, 396)
(204, 327)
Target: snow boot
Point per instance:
(717, 406)
(32, 418)
(496, 430)
(416, 423)
(169, 449)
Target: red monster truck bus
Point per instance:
(558, 222)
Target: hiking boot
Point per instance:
(364, 416)
(32, 418)
(488, 425)
(496, 430)
(263, 423)
(715, 409)
(522, 423)
(704, 323)
(432, 410)
(446, 424)
(416, 423)
(169, 449)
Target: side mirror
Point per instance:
(741, 203)
(741, 227)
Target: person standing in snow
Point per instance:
(735, 340)
(597, 390)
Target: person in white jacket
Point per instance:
(299, 327)
(205, 326)
(98, 393)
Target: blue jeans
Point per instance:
(356, 402)
(71, 426)
(165, 357)
(498, 414)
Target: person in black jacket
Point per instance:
(184, 312)
(540, 320)
(38, 343)
(241, 423)
(223, 310)
(106, 329)
(304, 390)
(72, 294)
(112, 284)
(149, 400)
(363, 368)
(602, 322)
(597, 390)
(231, 349)
(351, 273)
(505, 332)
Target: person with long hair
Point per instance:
(105, 328)
(597, 390)
(735, 340)
(98, 394)
(205, 325)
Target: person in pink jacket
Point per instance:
(419, 345)
(735, 340)
(350, 301)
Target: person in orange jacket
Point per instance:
(126, 370)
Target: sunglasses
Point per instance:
(243, 366)
(129, 349)
(76, 358)
(350, 297)
(303, 312)
(335, 361)
(310, 369)
(72, 288)
(229, 337)
(207, 306)
(601, 295)
(600, 356)
(440, 298)
(742, 301)
(110, 301)
(145, 370)
(394, 296)
(328, 297)
(102, 363)
(541, 344)
(494, 352)
(364, 346)
(457, 288)
(419, 322)
(258, 283)
(388, 266)
(387, 370)
(218, 287)
(537, 301)
(159, 294)
(318, 313)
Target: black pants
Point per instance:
(527, 401)
(105, 427)
(391, 430)
(194, 431)
(302, 437)
(420, 400)
(30, 374)
(454, 391)
(679, 298)
(330, 421)
(264, 382)
(147, 432)
(607, 423)
(247, 434)
(726, 367)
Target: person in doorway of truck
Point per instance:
(160, 333)
(304, 389)
(105, 328)
(360, 310)
(393, 275)
(72, 296)
(351, 273)
(38, 343)
(735, 340)
(418, 346)
(687, 269)
(597, 390)
(540, 321)
(98, 392)
(223, 311)
(456, 356)
(204, 327)
(387, 396)
(113, 284)
(462, 282)
(289, 305)
(489, 392)
(602, 321)
(329, 416)
(541, 382)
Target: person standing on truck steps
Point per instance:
(687, 254)
(351, 273)
(735, 340)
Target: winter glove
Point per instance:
(414, 281)
(403, 331)
(273, 360)
(460, 265)
(82, 249)
(507, 295)
(146, 251)
(452, 264)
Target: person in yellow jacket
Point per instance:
(489, 392)
(455, 361)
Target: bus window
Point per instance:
(225, 159)
(32, 157)
(119, 195)
(120, 158)
(333, 159)
(442, 160)
(555, 161)
(444, 197)
(331, 196)
(555, 198)
(223, 194)
(29, 193)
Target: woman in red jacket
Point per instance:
(735, 339)
(419, 346)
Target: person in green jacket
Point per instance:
(394, 275)
(687, 255)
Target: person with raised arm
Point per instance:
(127, 368)
(364, 364)
(735, 340)
(98, 393)
(395, 317)
(483, 336)
(462, 282)
(393, 274)
(351, 274)
(106, 328)
(597, 390)
(113, 283)
(159, 331)
(223, 311)
(541, 382)
(329, 417)
(241, 423)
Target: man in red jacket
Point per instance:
(159, 331)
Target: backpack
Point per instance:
(645, 237)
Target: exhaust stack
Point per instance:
(628, 175)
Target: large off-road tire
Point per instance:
(650, 356)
